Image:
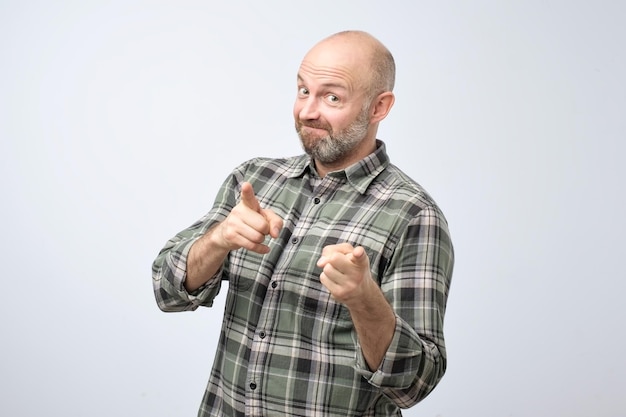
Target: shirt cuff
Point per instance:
(397, 369)
(177, 261)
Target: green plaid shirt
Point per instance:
(286, 347)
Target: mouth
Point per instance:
(313, 128)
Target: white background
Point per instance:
(120, 119)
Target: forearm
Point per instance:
(375, 323)
(411, 369)
(416, 283)
(205, 259)
(169, 271)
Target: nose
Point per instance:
(307, 108)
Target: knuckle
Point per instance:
(258, 238)
(228, 234)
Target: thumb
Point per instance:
(248, 198)
(275, 222)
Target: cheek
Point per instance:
(338, 122)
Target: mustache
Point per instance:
(314, 124)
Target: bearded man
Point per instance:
(338, 264)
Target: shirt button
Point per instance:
(274, 284)
(252, 385)
(294, 240)
(316, 200)
(262, 335)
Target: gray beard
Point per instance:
(335, 146)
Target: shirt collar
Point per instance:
(359, 175)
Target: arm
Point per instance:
(245, 227)
(346, 274)
(414, 287)
(186, 271)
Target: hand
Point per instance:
(346, 273)
(247, 224)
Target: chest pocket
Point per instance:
(245, 268)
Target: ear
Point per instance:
(381, 106)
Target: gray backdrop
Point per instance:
(119, 120)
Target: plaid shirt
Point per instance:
(286, 347)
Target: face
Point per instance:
(331, 112)
(327, 145)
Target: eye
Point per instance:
(303, 91)
(332, 98)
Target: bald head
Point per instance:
(345, 87)
(365, 56)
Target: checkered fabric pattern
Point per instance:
(286, 347)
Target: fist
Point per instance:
(346, 272)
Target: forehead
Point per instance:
(313, 76)
(334, 64)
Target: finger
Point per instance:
(327, 282)
(248, 198)
(359, 256)
(334, 262)
(343, 262)
(235, 234)
(253, 240)
(253, 234)
(262, 249)
(328, 278)
(334, 253)
(275, 222)
(254, 247)
(336, 281)
(257, 222)
(343, 248)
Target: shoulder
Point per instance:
(395, 185)
(266, 168)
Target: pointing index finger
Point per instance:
(358, 255)
(248, 198)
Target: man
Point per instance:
(338, 264)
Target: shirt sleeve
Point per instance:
(169, 272)
(169, 269)
(416, 284)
